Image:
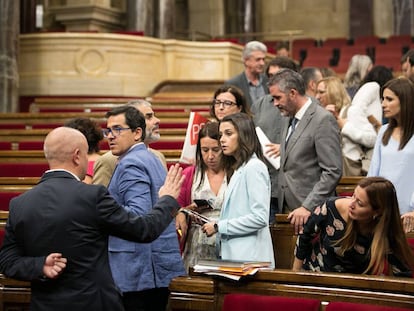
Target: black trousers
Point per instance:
(154, 299)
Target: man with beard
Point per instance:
(105, 165)
(310, 151)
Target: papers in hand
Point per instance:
(264, 141)
(230, 269)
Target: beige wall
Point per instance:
(206, 16)
(383, 18)
(117, 65)
(317, 19)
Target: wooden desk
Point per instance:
(207, 293)
(14, 295)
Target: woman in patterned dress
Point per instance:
(361, 234)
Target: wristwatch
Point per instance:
(216, 227)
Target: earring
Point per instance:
(374, 217)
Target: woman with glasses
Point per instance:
(228, 99)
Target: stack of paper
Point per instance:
(230, 269)
(263, 142)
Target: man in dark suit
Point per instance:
(311, 160)
(252, 80)
(57, 232)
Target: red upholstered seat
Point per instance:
(46, 125)
(5, 198)
(23, 169)
(162, 145)
(347, 306)
(248, 302)
(173, 125)
(31, 145)
(367, 41)
(411, 243)
(12, 126)
(2, 233)
(5, 145)
(103, 144)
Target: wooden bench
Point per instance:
(183, 101)
(15, 136)
(26, 120)
(18, 182)
(347, 185)
(200, 292)
(37, 156)
(14, 295)
(284, 241)
(47, 121)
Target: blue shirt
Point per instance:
(397, 166)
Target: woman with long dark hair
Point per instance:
(243, 226)
(206, 180)
(394, 148)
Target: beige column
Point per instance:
(88, 15)
(9, 39)
(207, 17)
(140, 16)
(166, 21)
(383, 18)
(249, 18)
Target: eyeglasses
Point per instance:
(225, 103)
(115, 131)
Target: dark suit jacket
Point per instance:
(270, 120)
(64, 215)
(241, 82)
(311, 163)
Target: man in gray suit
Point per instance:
(311, 162)
(252, 81)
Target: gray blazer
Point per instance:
(241, 82)
(311, 164)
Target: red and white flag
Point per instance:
(195, 123)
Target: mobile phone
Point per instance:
(201, 203)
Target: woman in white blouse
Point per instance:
(364, 118)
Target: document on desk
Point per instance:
(264, 141)
(230, 269)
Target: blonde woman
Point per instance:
(332, 95)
